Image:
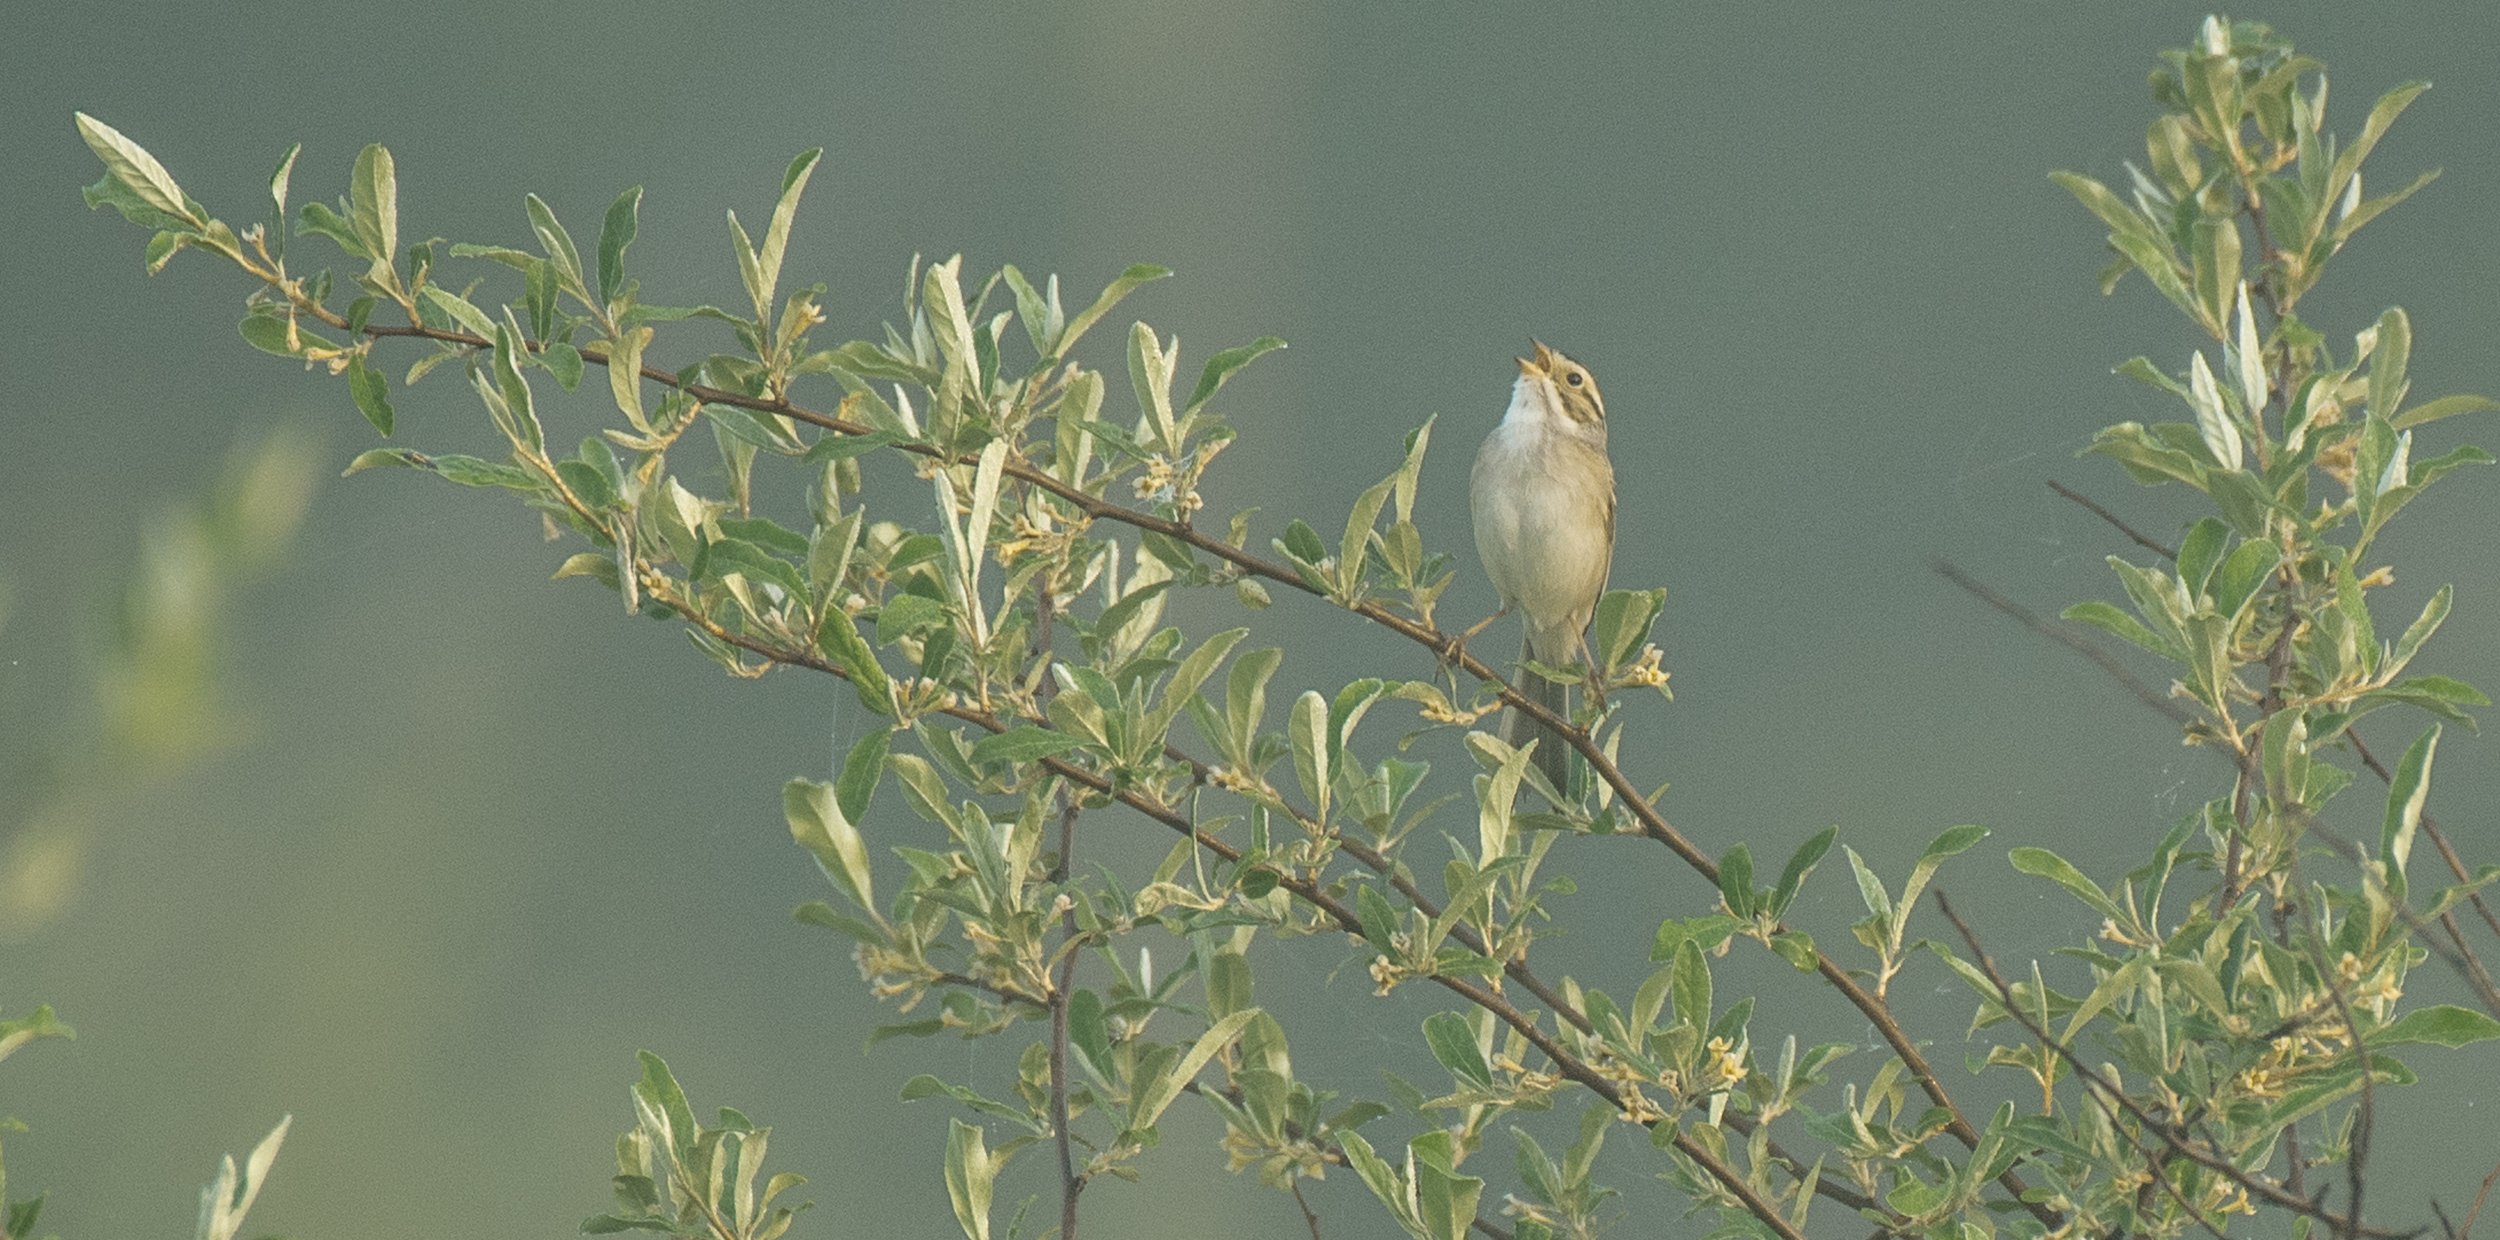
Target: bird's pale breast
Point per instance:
(1539, 508)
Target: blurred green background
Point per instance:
(463, 840)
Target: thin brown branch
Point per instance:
(2465, 1230)
(2063, 635)
(2142, 540)
(1309, 1215)
(2178, 1143)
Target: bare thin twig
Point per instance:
(2141, 540)
(2465, 1230)
(1309, 1216)
(2065, 635)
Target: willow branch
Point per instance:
(1652, 823)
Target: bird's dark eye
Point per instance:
(1573, 378)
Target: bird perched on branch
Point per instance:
(1544, 508)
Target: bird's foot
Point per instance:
(1454, 650)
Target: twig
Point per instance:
(2141, 540)
(2465, 1230)
(1309, 1216)
(2063, 635)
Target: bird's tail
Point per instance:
(1553, 753)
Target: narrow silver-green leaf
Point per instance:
(373, 205)
(786, 210)
(616, 233)
(136, 170)
(1143, 273)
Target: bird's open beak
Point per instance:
(1540, 363)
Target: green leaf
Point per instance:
(2433, 614)
(1222, 366)
(2382, 114)
(1307, 728)
(373, 206)
(1380, 920)
(1151, 1100)
(1622, 624)
(2405, 795)
(1870, 888)
(2041, 863)
(906, 614)
(1689, 989)
(2388, 359)
(1376, 1173)
(2119, 624)
(2213, 422)
(1445, 1201)
(819, 825)
(275, 333)
(38, 1024)
(1800, 864)
(2364, 212)
(462, 311)
(1143, 273)
(2236, 584)
(616, 233)
(2440, 1024)
(1150, 365)
(1019, 746)
(2114, 987)
(658, 1097)
(1454, 1044)
(564, 362)
(316, 217)
(1736, 880)
(1245, 700)
(840, 641)
(2444, 407)
(1797, 948)
(372, 390)
(136, 170)
(777, 233)
(970, 1174)
(558, 245)
(470, 471)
